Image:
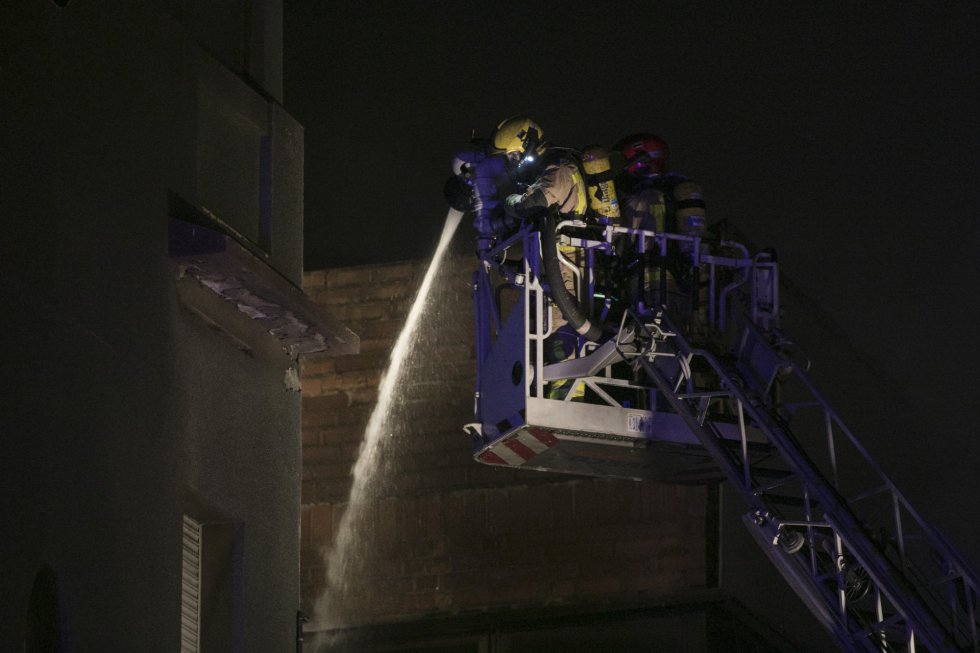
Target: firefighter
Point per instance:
(556, 178)
(556, 181)
(556, 184)
(654, 198)
(515, 164)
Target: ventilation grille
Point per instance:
(190, 588)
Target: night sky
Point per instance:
(846, 137)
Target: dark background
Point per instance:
(844, 136)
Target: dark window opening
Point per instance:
(44, 630)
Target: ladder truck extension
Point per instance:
(659, 356)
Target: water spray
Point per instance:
(339, 557)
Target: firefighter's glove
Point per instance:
(458, 193)
(512, 204)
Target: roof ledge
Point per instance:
(232, 288)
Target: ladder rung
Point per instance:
(782, 499)
(870, 493)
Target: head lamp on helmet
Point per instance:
(519, 138)
(646, 155)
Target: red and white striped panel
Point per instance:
(517, 449)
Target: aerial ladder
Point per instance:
(673, 367)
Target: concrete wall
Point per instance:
(442, 534)
(121, 409)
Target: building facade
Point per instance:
(152, 252)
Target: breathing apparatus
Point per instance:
(599, 179)
(690, 209)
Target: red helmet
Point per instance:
(646, 155)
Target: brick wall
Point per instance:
(443, 534)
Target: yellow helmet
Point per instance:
(519, 134)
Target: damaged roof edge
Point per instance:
(264, 301)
